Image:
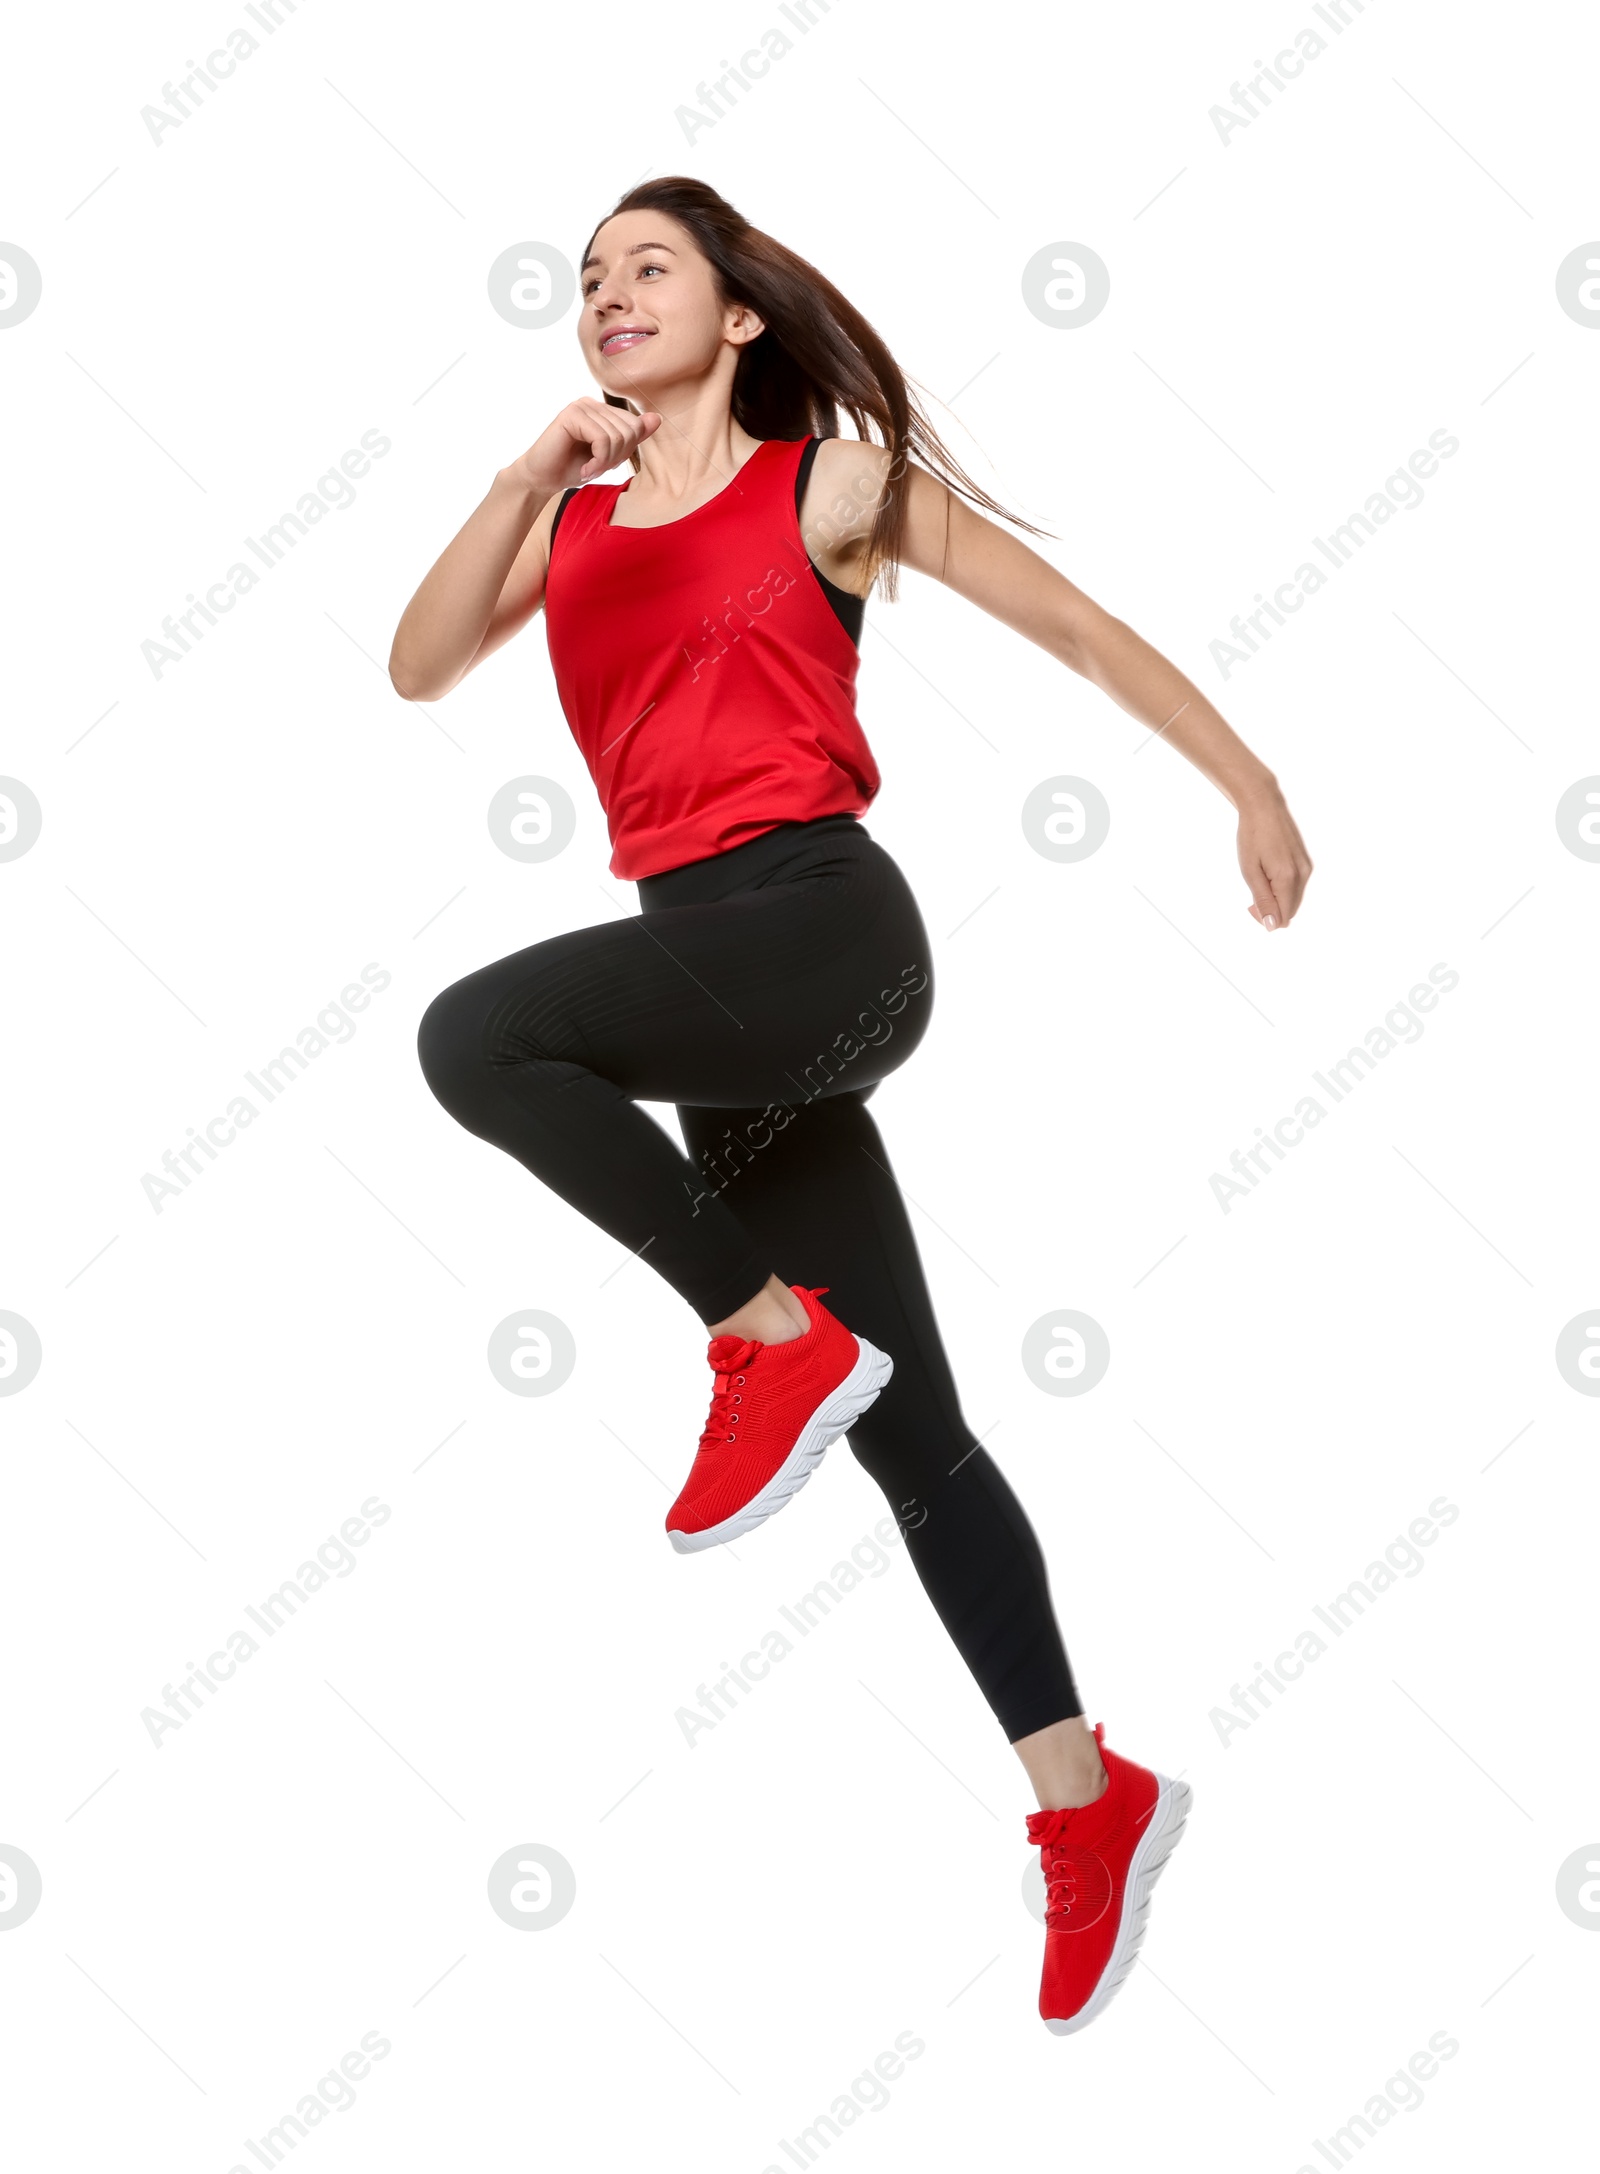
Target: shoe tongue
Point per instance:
(726, 1352)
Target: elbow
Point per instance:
(409, 684)
(417, 679)
(401, 678)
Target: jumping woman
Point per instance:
(703, 620)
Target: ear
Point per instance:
(743, 325)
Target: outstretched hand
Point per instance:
(1273, 860)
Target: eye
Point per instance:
(589, 285)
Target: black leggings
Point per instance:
(765, 992)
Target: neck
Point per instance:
(697, 449)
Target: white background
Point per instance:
(226, 1381)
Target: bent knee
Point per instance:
(450, 1043)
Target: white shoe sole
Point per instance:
(836, 1415)
(1161, 1838)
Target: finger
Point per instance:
(623, 431)
(1264, 905)
(631, 424)
(608, 443)
(1288, 885)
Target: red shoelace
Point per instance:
(1060, 1884)
(733, 1353)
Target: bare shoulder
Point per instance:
(943, 537)
(844, 491)
(852, 467)
(849, 481)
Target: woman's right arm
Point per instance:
(488, 581)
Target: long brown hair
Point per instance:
(817, 355)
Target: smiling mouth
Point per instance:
(626, 336)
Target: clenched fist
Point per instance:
(586, 439)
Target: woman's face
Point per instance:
(651, 315)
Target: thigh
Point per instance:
(791, 992)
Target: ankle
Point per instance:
(1073, 1794)
(773, 1316)
(1063, 1763)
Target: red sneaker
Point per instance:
(1100, 1862)
(775, 1409)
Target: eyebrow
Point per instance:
(637, 250)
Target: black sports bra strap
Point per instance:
(566, 496)
(802, 475)
(849, 610)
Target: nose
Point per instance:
(606, 298)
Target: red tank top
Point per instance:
(707, 679)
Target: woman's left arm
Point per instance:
(955, 544)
